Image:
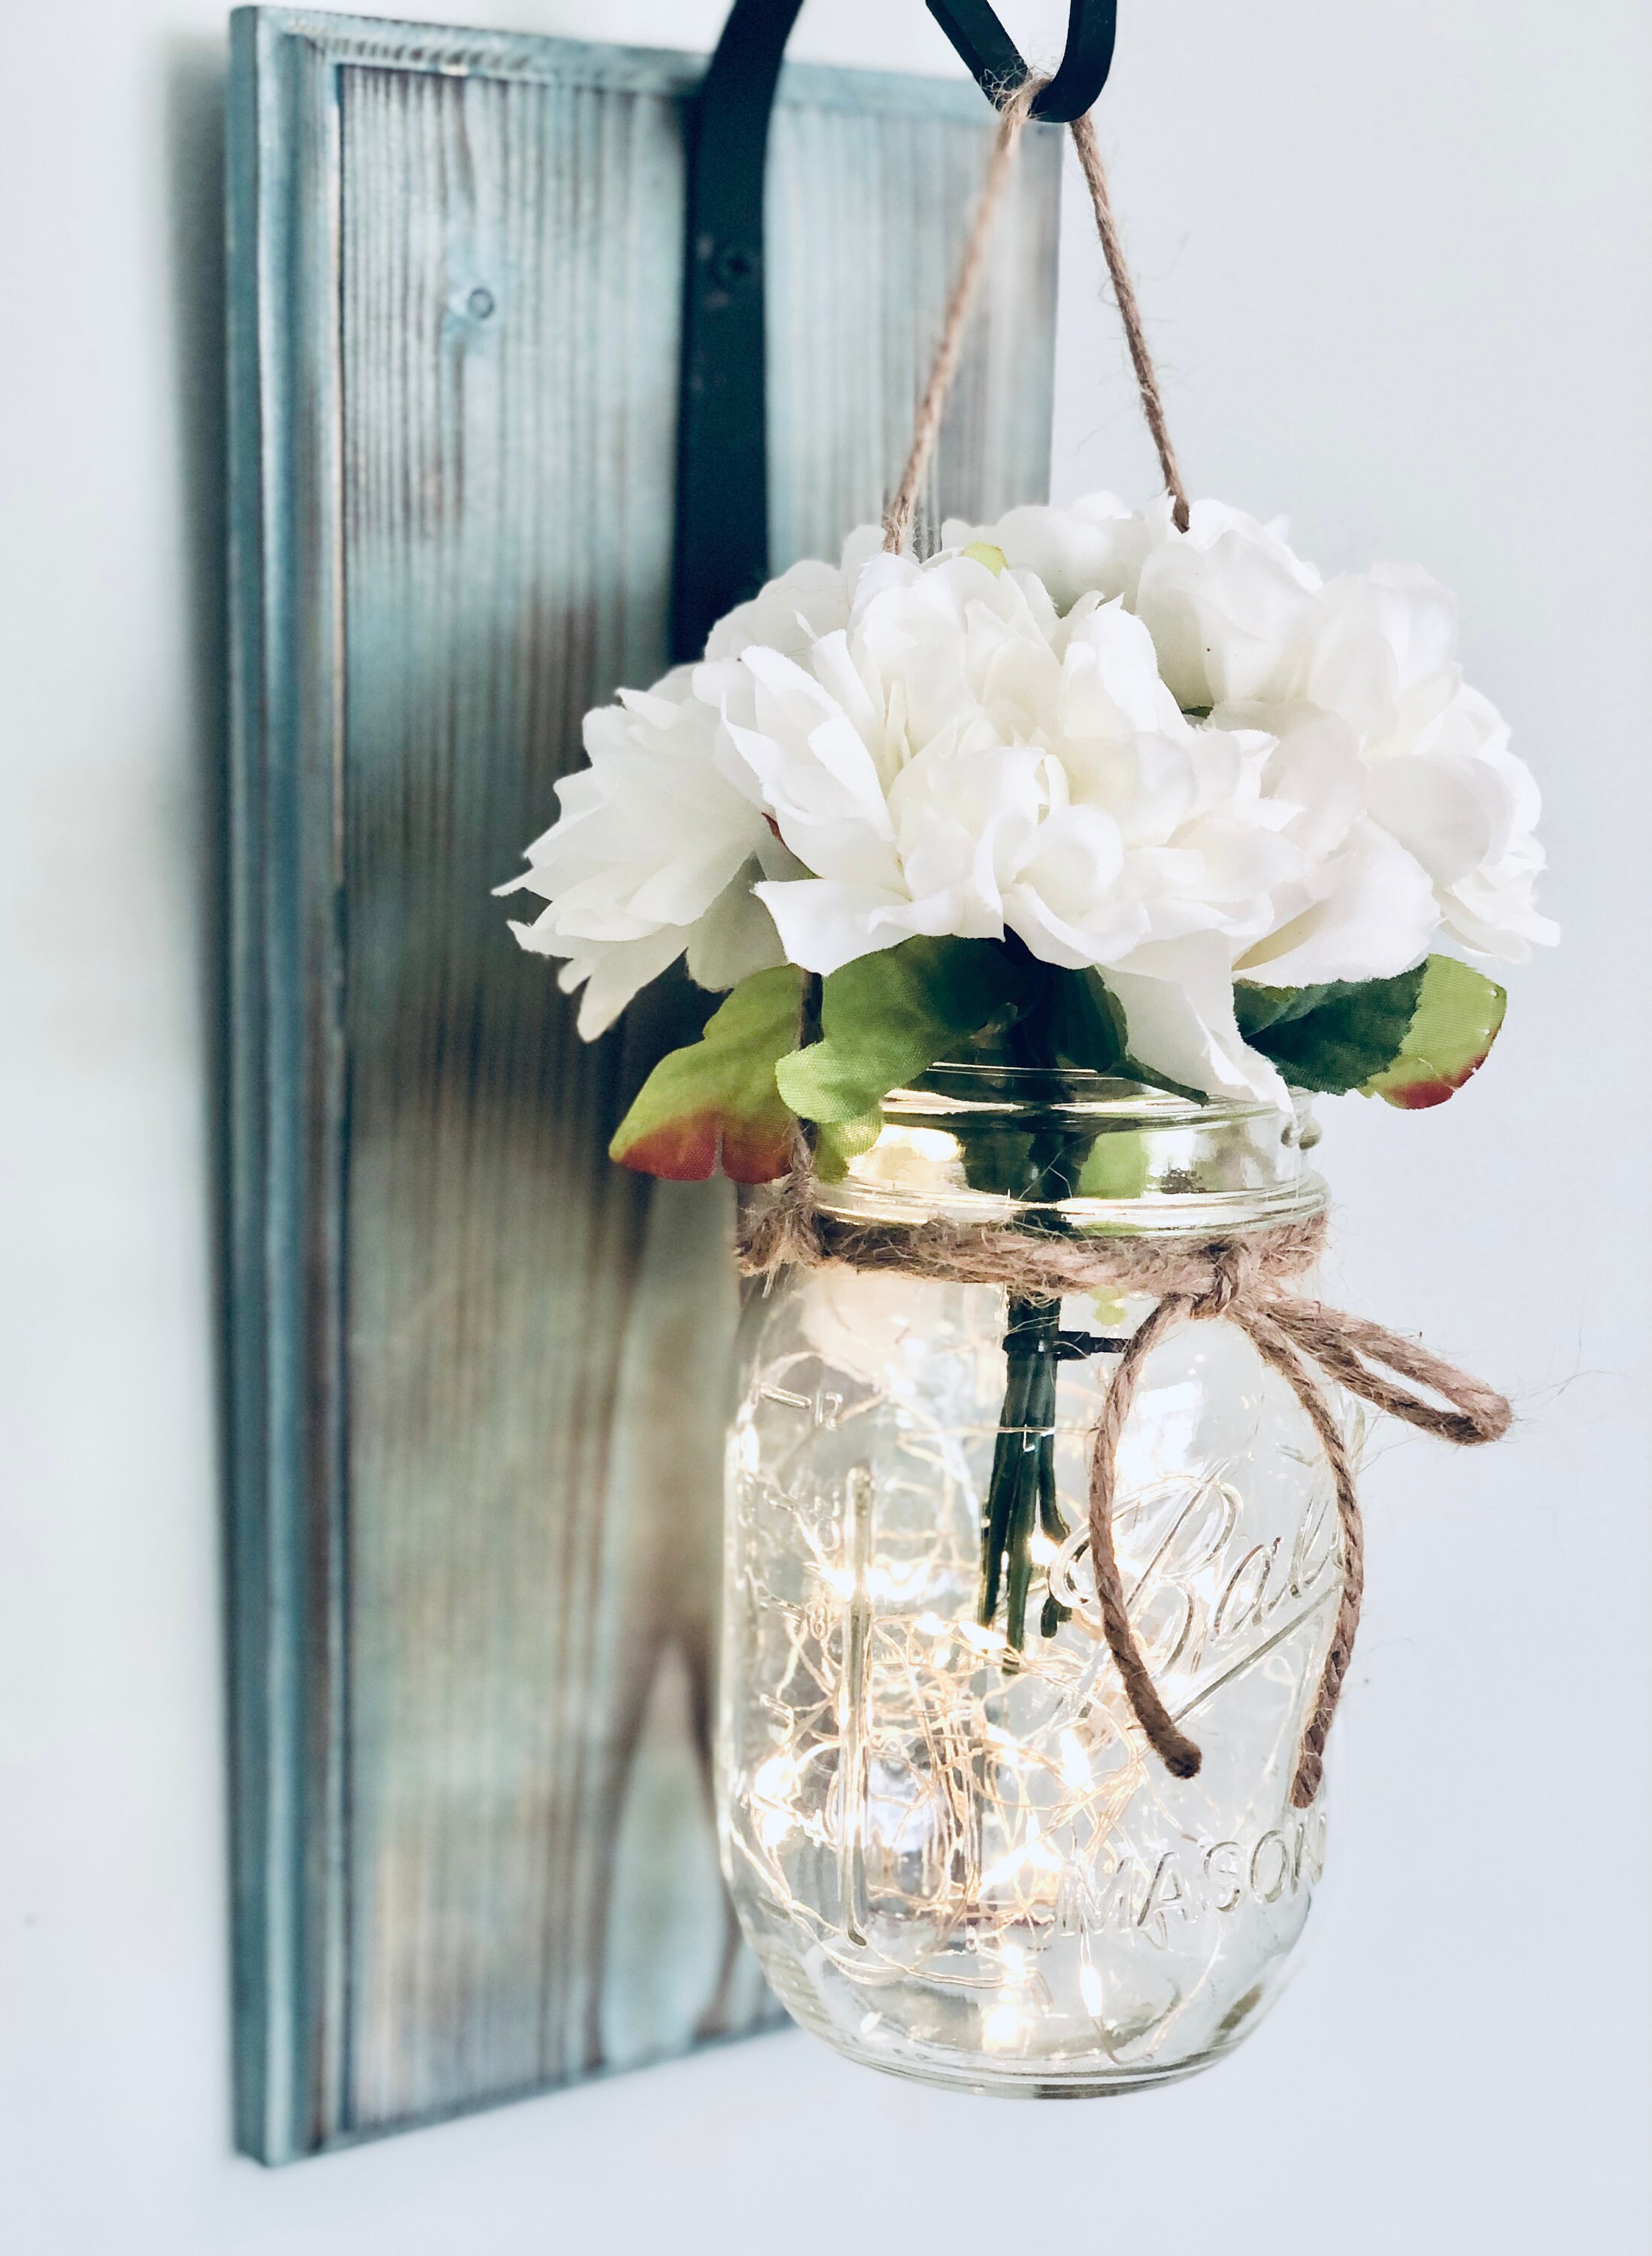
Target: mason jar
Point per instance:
(949, 1842)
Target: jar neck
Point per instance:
(1041, 1149)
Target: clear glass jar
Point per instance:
(959, 1860)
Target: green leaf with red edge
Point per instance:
(1330, 1038)
(887, 1017)
(1457, 1019)
(716, 1101)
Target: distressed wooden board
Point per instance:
(478, 1374)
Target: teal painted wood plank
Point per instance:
(478, 1375)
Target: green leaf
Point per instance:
(1081, 1025)
(1456, 1021)
(715, 1099)
(1412, 1039)
(1116, 1165)
(837, 1142)
(1332, 1038)
(886, 1017)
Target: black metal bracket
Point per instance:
(720, 551)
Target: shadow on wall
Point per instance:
(195, 75)
(196, 71)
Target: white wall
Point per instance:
(1397, 261)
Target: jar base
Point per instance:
(1035, 2085)
(1007, 2081)
(1090, 2073)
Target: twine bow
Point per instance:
(1244, 1280)
(1250, 1287)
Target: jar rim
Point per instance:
(959, 1143)
(968, 1085)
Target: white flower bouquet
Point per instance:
(1084, 790)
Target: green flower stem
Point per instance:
(1037, 1417)
(1021, 1495)
(1021, 1498)
(1003, 1495)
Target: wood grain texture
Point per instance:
(478, 1374)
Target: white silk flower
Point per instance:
(1176, 757)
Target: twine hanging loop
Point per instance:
(1013, 121)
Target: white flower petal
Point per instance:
(1228, 605)
(1374, 918)
(1452, 813)
(1177, 998)
(809, 600)
(1376, 637)
(611, 978)
(736, 936)
(824, 924)
(1095, 545)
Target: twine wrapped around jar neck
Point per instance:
(1244, 1278)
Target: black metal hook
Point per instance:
(996, 64)
(720, 553)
